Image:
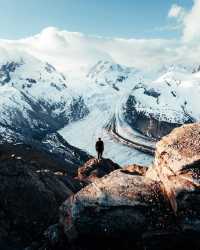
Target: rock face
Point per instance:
(94, 169)
(33, 185)
(135, 169)
(177, 166)
(158, 207)
(52, 148)
(147, 111)
(119, 204)
(155, 208)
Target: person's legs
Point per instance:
(100, 155)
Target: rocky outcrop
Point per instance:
(155, 208)
(177, 166)
(52, 151)
(32, 187)
(156, 109)
(119, 204)
(148, 122)
(147, 125)
(94, 169)
(158, 207)
(135, 169)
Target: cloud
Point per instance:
(176, 11)
(68, 51)
(191, 31)
(169, 27)
(74, 52)
(188, 21)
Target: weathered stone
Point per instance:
(177, 166)
(117, 204)
(135, 169)
(153, 206)
(94, 169)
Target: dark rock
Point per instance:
(145, 124)
(147, 120)
(94, 169)
(168, 240)
(31, 194)
(52, 150)
(7, 69)
(157, 208)
(116, 205)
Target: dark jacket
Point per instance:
(99, 146)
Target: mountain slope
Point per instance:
(152, 109)
(33, 184)
(42, 84)
(102, 91)
(35, 102)
(112, 74)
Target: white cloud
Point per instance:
(176, 11)
(76, 52)
(188, 21)
(191, 32)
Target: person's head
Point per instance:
(99, 139)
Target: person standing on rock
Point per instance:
(99, 148)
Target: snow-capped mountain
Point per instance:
(105, 85)
(196, 69)
(168, 102)
(112, 74)
(35, 101)
(175, 68)
(113, 101)
(34, 96)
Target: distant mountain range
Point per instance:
(109, 100)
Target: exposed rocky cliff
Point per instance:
(94, 169)
(120, 207)
(154, 113)
(107, 207)
(177, 164)
(152, 206)
(33, 184)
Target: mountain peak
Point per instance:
(108, 73)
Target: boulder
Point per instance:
(177, 166)
(157, 207)
(119, 204)
(94, 169)
(135, 169)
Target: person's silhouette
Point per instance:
(99, 148)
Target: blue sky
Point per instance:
(112, 18)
